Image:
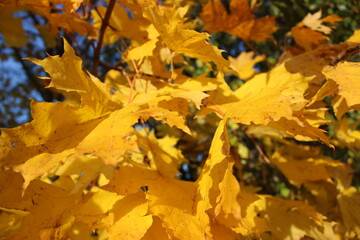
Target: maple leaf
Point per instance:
(11, 28)
(308, 33)
(179, 39)
(349, 206)
(48, 207)
(346, 134)
(80, 165)
(346, 81)
(244, 63)
(217, 186)
(275, 99)
(239, 22)
(68, 75)
(132, 209)
(118, 25)
(49, 132)
(300, 168)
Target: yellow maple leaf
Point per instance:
(275, 99)
(128, 218)
(346, 134)
(68, 75)
(217, 186)
(299, 168)
(95, 206)
(40, 165)
(159, 159)
(348, 201)
(119, 23)
(48, 207)
(343, 75)
(49, 132)
(179, 39)
(244, 64)
(156, 231)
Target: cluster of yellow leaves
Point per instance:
(80, 166)
(59, 13)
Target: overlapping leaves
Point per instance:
(81, 166)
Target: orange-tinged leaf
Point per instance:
(71, 23)
(11, 28)
(240, 22)
(307, 38)
(216, 18)
(156, 231)
(311, 63)
(309, 32)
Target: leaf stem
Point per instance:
(216, 107)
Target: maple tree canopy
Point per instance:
(108, 161)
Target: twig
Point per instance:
(252, 48)
(104, 24)
(45, 94)
(216, 107)
(121, 69)
(263, 156)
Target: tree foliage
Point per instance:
(152, 128)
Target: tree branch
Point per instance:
(104, 24)
(45, 94)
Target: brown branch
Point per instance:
(139, 73)
(262, 154)
(104, 24)
(45, 94)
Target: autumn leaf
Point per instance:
(180, 39)
(239, 22)
(309, 32)
(156, 145)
